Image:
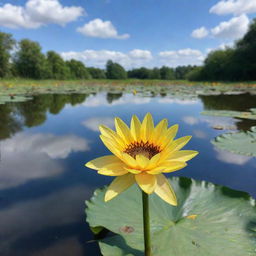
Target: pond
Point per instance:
(46, 140)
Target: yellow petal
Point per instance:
(134, 171)
(159, 131)
(182, 156)
(113, 170)
(118, 185)
(130, 161)
(147, 127)
(153, 161)
(101, 162)
(123, 130)
(135, 128)
(111, 145)
(181, 142)
(170, 135)
(164, 190)
(142, 161)
(168, 166)
(105, 131)
(108, 165)
(147, 182)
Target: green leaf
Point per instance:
(243, 143)
(209, 220)
(236, 114)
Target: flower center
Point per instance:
(142, 148)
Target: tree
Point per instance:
(167, 73)
(182, 71)
(115, 71)
(218, 65)
(78, 69)
(155, 73)
(29, 61)
(97, 73)
(140, 73)
(245, 54)
(6, 45)
(57, 66)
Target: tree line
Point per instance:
(231, 64)
(25, 59)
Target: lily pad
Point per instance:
(243, 143)
(209, 220)
(236, 114)
(19, 98)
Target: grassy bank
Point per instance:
(147, 82)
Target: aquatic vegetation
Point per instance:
(209, 220)
(236, 114)
(243, 143)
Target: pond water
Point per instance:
(45, 142)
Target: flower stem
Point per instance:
(146, 224)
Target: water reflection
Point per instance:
(45, 142)
(31, 156)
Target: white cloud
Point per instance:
(140, 54)
(37, 13)
(184, 101)
(35, 156)
(137, 58)
(94, 123)
(52, 145)
(101, 100)
(134, 58)
(233, 29)
(236, 7)
(222, 46)
(182, 57)
(200, 134)
(200, 33)
(230, 158)
(191, 120)
(101, 29)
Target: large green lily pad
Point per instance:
(209, 220)
(243, 143)
(236, 114)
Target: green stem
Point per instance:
(146, 224)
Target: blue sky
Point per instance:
(132, 32)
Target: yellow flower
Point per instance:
(141, 154)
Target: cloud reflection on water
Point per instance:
(25, 220)
(31, 156)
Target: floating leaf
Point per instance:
(19, 98)
(236, 114)
(243, 143)
(223, 221)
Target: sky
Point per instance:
(134, 33)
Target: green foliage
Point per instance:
(77, 70)
(234, 114)
(115, 71)
(140, 73)
(29, 61)
(231, 64)
(182, 71)
(6, 45)
(195, 74)
(167, 73)
(96, 73)
(57, 66)
(243, 143)
(209, 220)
